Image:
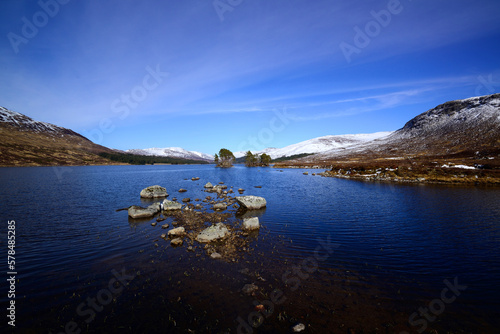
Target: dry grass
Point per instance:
(422, 169)
(26, 148)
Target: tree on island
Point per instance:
(225, 158)
(216, 159)
(265, 159)
(253, 160)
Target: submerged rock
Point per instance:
(154, 192)
(251, 202)
(251, 223)
(212, 233)
(139, 212)
(171, 205)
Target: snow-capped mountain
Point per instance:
(469, 127)
(26, 142)
(319, 145)
(24, 123)
(315, 145)
(173, 152)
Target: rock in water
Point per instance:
(182, 190)
(209, 185)
(215, 255)
(251, 202)
(139, 212)
(154, 192)
(251, 223)
(177, 232)
(212, 233)
(176, 242)
(299, 327)
(219, 207)
(171, 205)
(248, 289)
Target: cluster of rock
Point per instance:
(197, 219)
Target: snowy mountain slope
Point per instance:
(468, 127)
(173, 152)
(320, 144)
(26, 142)
(24, 123)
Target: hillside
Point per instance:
(455, 140)
(26, 142)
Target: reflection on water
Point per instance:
(395, 245)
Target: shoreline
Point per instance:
(420, 174)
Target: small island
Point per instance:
(254, 160)
(224, 159)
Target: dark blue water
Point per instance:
(392, 248)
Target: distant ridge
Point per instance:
(319, 145)
(173, 152)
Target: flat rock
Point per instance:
(212, 233)
(177, 232)
(171, 205)
(185, 200)
(164, 226)
(182, 190)
(251, 202)
(154, 192)
(251, 223)
(139, 212)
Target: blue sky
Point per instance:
(241, 74)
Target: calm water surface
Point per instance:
(390, 250)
